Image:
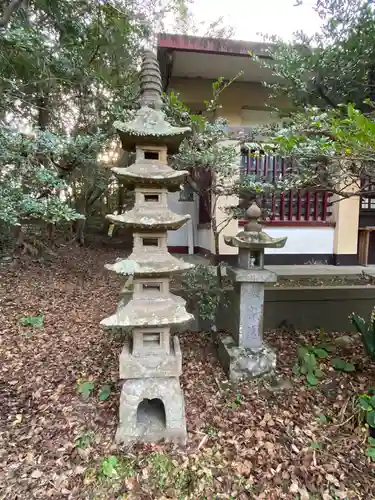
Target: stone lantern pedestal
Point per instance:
(243, 354)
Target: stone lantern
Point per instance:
(244, 354)
(152, 402)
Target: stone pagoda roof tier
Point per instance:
(142, 218)
(253, 238)
(149, 126)
(145, 312)
(149, 264)
(149, 173)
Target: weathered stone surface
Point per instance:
(164, 311)
(150, 263)
(246, 317)
(152, 404)
(146, 218)
(149, 124)
(151, 424)
(253, 238)
(151, 365)
(245, 355)
(251, 275)
(150, 212)
(241, 363)
(147, 172)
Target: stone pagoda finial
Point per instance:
(253, 213)
(252, 241)
(151, 86)
(149, 125)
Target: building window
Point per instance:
(292, 205)
(368, 202)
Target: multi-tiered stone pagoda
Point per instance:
(152, 402)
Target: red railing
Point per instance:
(294, 206)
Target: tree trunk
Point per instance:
(80, 231)
(120, 198)
(216, 252)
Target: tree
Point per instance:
(335, 66)
(68, 69)
(330, 80)
(211, 157)
(332, 149)
(208, 156)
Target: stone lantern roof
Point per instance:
(152, 173)
(253, 237)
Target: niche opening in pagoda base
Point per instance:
(151, 339)
(150, 242)
(151, 155)
(151, 414)
(151, 287)
(153, 198)
(255, 258)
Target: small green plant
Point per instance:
(322, 419)
(85, 388)
(367, 331)
(366, 404)
(33, 321)
(104, 392)
(210, 430)
(85, 440)
(314, 445)
(307, 364)
(162, 467)
(237, 402)
(109, 467)
(370, 452)
(342, 365)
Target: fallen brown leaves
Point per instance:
(250, 441)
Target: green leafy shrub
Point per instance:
(366, 404)
(104, 392)
(201, 287)
(367, 331)
(109, 467)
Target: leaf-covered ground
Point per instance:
(266, 440)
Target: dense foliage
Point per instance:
(334, 66)
(330, 80)
(68, 69)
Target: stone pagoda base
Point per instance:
(241, 363)
(151, 409)
(152, 365)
